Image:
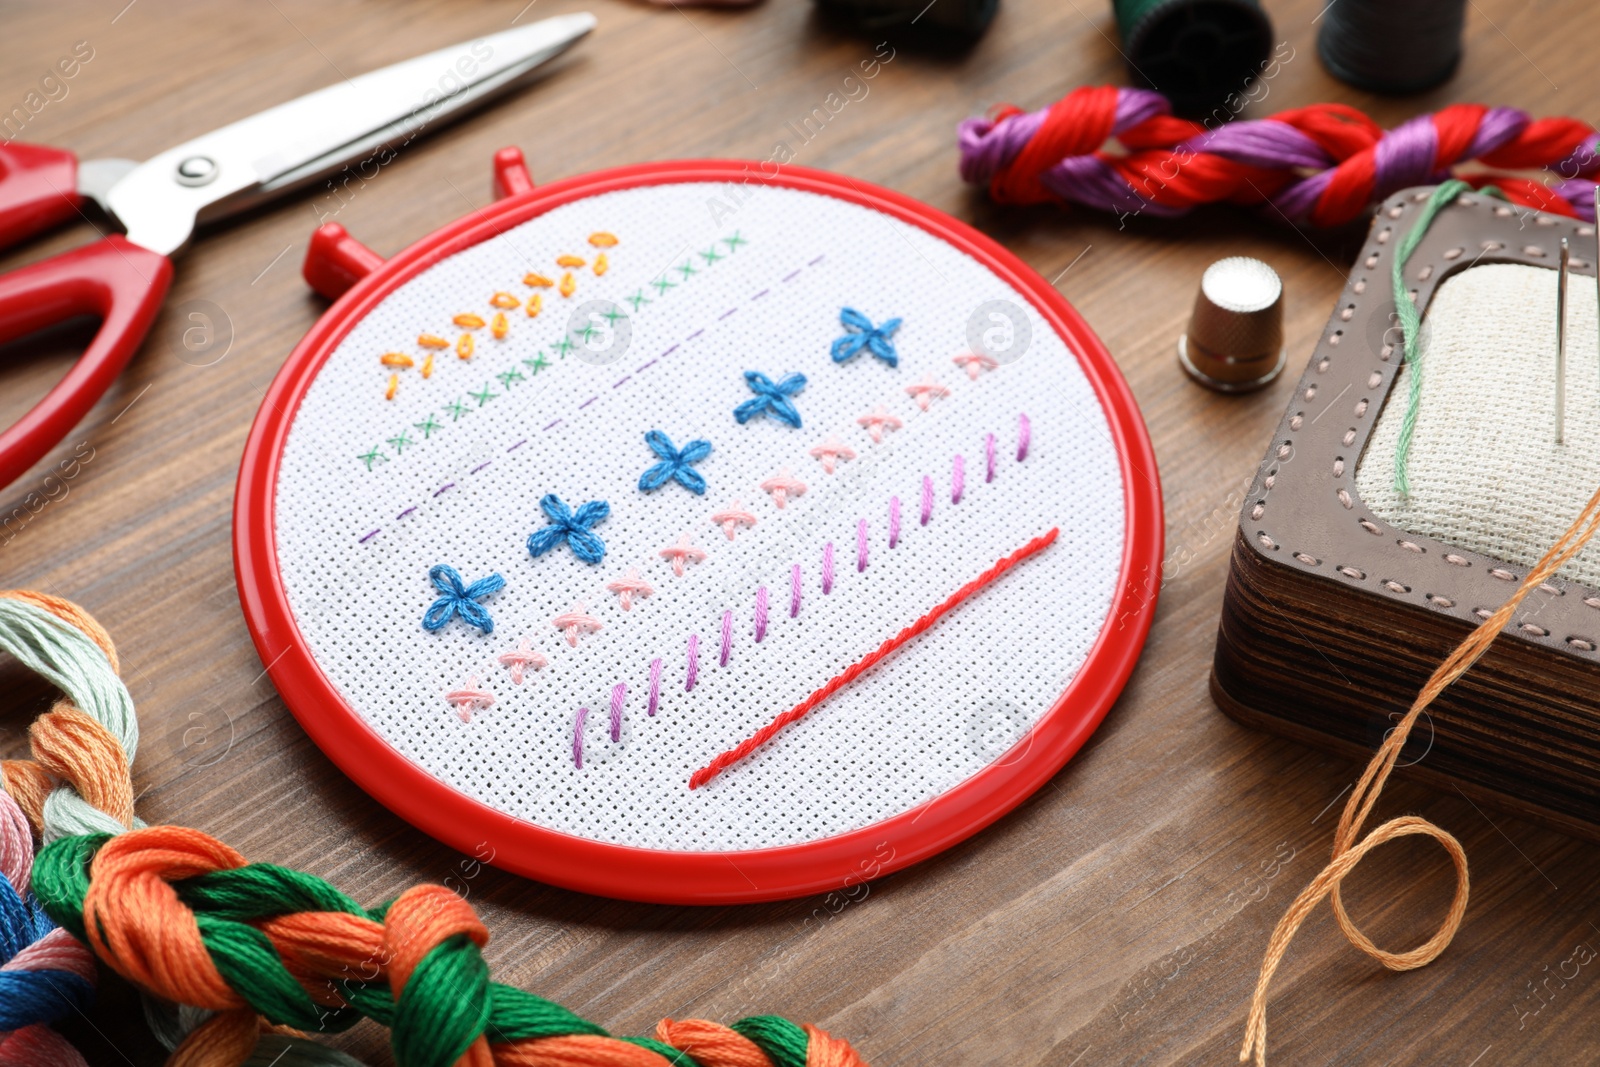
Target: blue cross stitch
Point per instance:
(456, 599)
(862, 334)
(674, 465)
(771, 399)
(571, 528)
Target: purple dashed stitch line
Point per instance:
(894, 521)
(1022, 451)
(988, 456)
(861, 546)
(577, 737)
(619, 693)
(827, 569)
(794, 592)
(958, 478)
(761, 614)
(655, 685)
(927, 499)
(694, 663)
(727, 638)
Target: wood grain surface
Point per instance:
(1116, 918)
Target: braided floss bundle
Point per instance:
(268, 951)
(1122, 151)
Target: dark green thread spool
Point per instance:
(1194, 52)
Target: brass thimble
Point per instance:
(1235, 338)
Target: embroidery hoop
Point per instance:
(658, 875)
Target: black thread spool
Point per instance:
(1392, 46)
(962, 19)
(1194, 52)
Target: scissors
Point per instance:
(122, 278)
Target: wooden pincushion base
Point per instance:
(1332, 620)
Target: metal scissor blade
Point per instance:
(255, 159)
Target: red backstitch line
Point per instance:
(867, 662)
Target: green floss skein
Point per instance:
(1195, 52)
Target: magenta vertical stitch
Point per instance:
(827, 569)
(894, 521)
(577, 737)
(794, 591)
(761, 614)
(861, 545)
(694, 663)
(958, 478)
(727, 638)
(988, 457)
(619, 693)
(927, 499)
(1024, 431)
(655, 685)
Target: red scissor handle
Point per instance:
(114, 279)
(38, 189)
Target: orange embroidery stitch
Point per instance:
(569, 261)
(394, 387)
(537, 280)
(504, 300)
(427, 366)
(468, 321)
(535, 305)
(429, 340)
(603, 239)
(600, 264)
(396, 359)
(568, 286)
(464, 346)
(498, 327)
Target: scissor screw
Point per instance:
(197, 170)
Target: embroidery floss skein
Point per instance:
(1122, 151)
(186, 918)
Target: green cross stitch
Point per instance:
(372, 457)
(562, 347)
(400, 442)
(538, 363)
(507, 377)
(637, 299)
(456, 409)
(685, 268)
(662, 285)
(735, 241)
(710, 255)
(484, 396)
(589, 332)
(427, 426)
(614, 314)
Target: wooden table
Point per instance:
(1118, 917)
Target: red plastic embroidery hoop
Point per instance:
(336, 264)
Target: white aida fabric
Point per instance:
(372, 493)
(1485, 471)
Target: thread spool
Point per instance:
(1392, 46)
(1195, 52)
